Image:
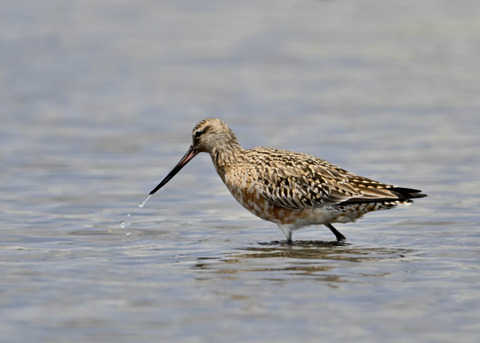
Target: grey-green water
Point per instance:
(98, 99)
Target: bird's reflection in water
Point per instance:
(328, 261)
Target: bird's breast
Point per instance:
(247, 192)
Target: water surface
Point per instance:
(98, 102)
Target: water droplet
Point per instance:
(144, 201)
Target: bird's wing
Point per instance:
(298, 181)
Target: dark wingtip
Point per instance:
(407, 193)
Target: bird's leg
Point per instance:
(287, 230)
(337, 233)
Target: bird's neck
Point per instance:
(226, 155)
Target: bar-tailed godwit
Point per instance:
(290, 189)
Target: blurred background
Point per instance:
(98, 99)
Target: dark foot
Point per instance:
(340, 237)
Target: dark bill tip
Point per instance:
(191, 153)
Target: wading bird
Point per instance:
(290, 189)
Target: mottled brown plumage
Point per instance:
(290, 189)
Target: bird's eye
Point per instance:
(198, 134)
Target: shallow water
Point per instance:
(98, 101)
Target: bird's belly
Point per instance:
(262, 208)
(259, 206)
(253, 202)
(248, 196)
